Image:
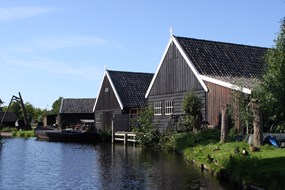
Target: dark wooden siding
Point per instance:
(107, 100)
(217, 96)
(107, 105)
(174, 75)
(174, 79)
(164, 120)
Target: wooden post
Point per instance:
(224, 124)
(125, 138)
(257, 123)
(113, 133)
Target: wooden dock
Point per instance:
(124, 136)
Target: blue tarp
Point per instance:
(271, 140)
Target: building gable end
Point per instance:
(112, 90)
(176, 43)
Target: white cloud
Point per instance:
(52, 68)
(68, 42)
(9, 14)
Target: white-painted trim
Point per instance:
(115, 91)
(158, 68)
(113, 87)
(61, 104)
(225, 84)
(99, 91)
(173, 39)
(190, 64)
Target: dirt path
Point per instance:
(6, 134)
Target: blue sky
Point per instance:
(58, 48)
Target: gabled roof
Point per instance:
(227, 64)
(10, 116)
(129, 87)
(77, 105)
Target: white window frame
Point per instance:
(168, 107)
(157, 108)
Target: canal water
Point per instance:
(40, 165)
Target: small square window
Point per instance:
(157, 108)
(168, 107)
(107, 89)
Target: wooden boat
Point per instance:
(73, 136)
(41, 132)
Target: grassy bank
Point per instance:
(18, 133)
(23, 134)
(265, 168)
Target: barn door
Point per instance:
(107, 120)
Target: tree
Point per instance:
(146, 131)
(272, 89)
(240, 111)
(257, 123)
(191, 106)
(56, 105)
(224, 124)
(1, 103)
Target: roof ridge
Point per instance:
(78, 98)
(132, 72)
(220, 42)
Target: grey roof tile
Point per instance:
(77, 105)
(131, 87)
(234, 63)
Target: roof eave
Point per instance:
(225, 84)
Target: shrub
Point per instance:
(180, 141)
(146, 132)
(191, 107)
(23, 134)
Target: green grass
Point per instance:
(9, 129)
(23, 134)
(265, 168)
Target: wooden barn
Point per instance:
(212, 69)
(75, 110)
(120, 97)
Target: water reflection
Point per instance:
(132, 168)
(32, 164)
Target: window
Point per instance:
(157, 108)
(168, 107)
(106, 90)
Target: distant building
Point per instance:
(50, 119)
(9, 119)
(73, 110)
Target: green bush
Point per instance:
(145, 130)
(23, 134)
(180, 141)
(191, 106)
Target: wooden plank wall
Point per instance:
(106, 100)
(217, 96)
(163, 120)
(174, 76)
(174, 79)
